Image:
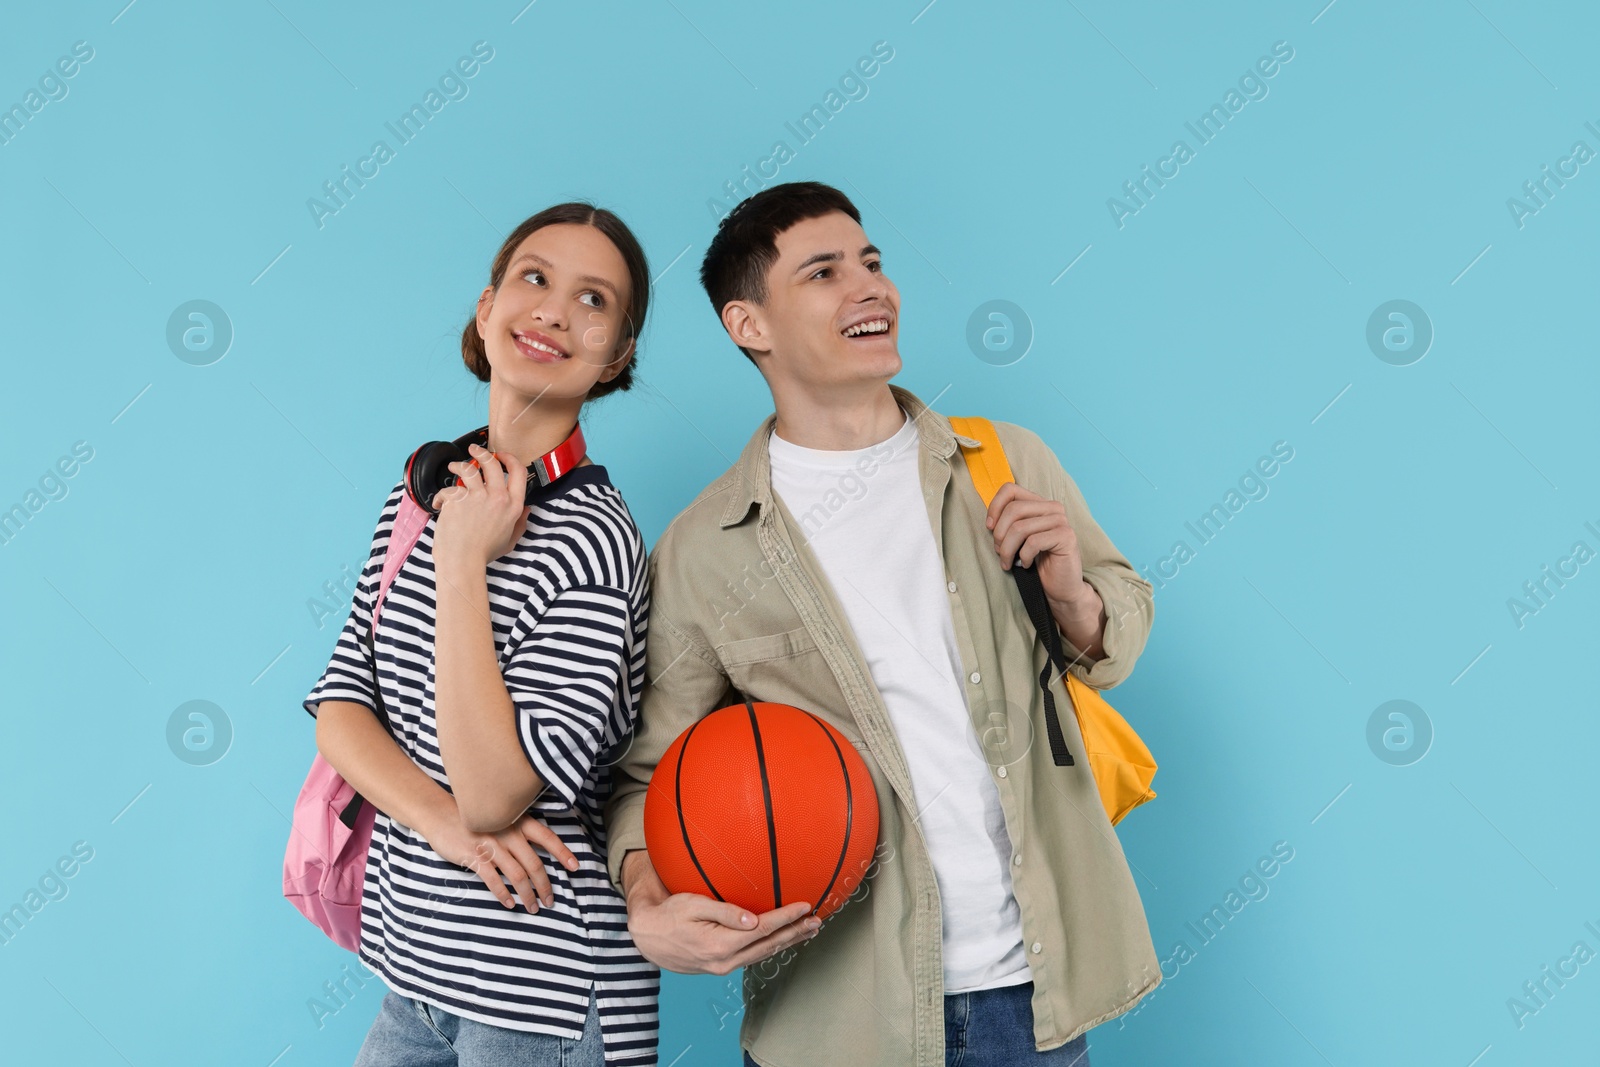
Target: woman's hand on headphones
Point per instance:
(484, 517)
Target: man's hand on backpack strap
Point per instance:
(1034, 531)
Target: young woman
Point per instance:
(510, 650)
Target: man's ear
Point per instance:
(746, 325)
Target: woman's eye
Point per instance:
(598, 300)
(538, 275)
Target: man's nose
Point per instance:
(870, 285)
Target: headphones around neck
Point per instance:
(428, 469)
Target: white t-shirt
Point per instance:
(863, 515)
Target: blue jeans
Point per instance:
(994, 1028)
(410, 1033)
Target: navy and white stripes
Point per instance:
(569, 607)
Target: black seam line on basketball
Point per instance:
(766, 796)
(848, 808)
(677, 802)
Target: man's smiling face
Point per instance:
(831, 317)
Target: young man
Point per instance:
(846, 565)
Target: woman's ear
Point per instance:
(485, 306)
(619, 362)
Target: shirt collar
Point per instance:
(753, 470)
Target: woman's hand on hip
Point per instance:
(484, 517)
(505, 859)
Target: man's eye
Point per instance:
(821, 271)
(875, 266)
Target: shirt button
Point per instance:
(952, 587)
(1037, 948)
(1001, 772)
(974, 677)
(1016, 861)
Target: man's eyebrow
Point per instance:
(834, 257)
(588, 279)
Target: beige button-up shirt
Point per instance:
(739, 602)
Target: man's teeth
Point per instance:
(531, 343)
(873, 326)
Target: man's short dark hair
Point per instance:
(746, 242)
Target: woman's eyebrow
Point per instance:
(587, 279)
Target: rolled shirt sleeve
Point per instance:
(563, 680)
(349, 672)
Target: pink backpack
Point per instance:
(325, 864)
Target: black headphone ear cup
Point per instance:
(428, 471)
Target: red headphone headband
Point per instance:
(427, 471)
(560, 459)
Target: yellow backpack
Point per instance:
(1122, 766)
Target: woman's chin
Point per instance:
(551, 387)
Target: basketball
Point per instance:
(762, 805)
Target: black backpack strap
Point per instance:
(1044, 624)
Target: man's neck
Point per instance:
(838, 422)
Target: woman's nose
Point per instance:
(550, 314)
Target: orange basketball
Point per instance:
(762, 805)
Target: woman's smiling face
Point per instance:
(557, 324)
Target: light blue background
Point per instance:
(1225, 316)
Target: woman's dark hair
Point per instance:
(582, 214)
(746, 242)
